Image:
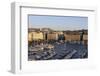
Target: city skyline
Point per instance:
(58, 22)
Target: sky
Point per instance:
(58, 22)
